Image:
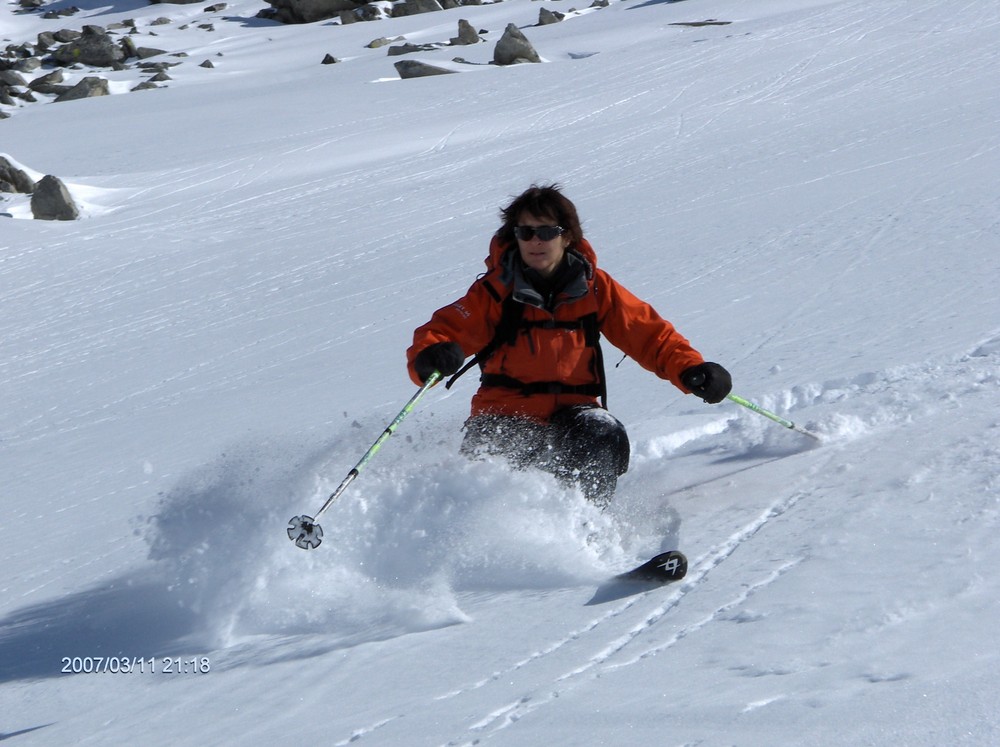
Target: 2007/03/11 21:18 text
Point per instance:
(135, 664)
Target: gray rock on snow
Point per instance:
(514, 48)
(89, 87)
(417, 69)
(466, 34)
(546, 17)
(52, 201)
(13, 179)
(307, 11)
(94, 47)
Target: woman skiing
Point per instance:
(533, 322)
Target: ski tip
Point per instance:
(663, 568)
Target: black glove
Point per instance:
(710, 381)
(444, 357)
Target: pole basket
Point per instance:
(305, 532)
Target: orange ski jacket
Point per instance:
(548, 348)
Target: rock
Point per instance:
(27, 65)
(514, 48)
(156, 67)
(329, 60)
(408, 48)
(308, 11)
(417, 69)
(46, 39)
(13, 179)
(63, 36)
(144, 53)
(466, 34)
(94, 47)
(364, 13)
(415, 7)
(89, 87)
(52, 201)
(12, 78)
(381, 42)
(546, 17)
(50, 84)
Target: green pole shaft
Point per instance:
(770, 415)
(373, 450)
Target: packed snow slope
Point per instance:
(808, 192)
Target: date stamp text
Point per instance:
(136, 665)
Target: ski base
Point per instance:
(664, 568)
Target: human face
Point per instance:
(541, 256)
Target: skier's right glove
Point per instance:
(710, 381)
(444, 357)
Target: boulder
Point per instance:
(52, 201)
(12, 78)
(408, 48)
(66, 35)
(513, 48)
(415, 7)
(417, 69)
(308, 11)
(46, 39)
(28, 65)
(466, 34)
(52, 84)
(89, 87)
(13, 179)
(546, 16)
(94, 47)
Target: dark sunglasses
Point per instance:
(545, 233)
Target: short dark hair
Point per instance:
(546, 201)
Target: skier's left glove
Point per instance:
(444, 357)
(710, 381)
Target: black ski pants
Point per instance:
(583, 445)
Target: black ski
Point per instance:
(665, 567)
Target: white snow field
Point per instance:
(809, 192)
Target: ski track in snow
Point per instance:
(620, 646)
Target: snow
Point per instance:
(808, 193)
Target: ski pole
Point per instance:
(770, 415)
(303, 530)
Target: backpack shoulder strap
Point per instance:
(511, 313)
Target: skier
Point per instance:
(533, 322)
